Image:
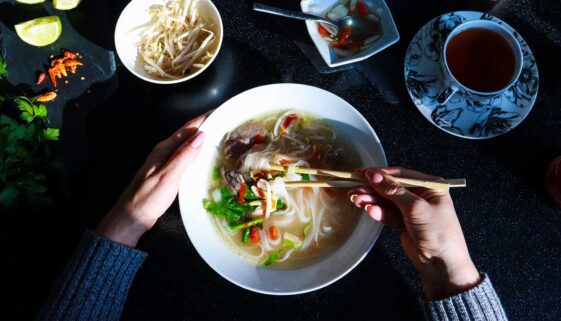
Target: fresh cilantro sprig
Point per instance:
(3, 69)
(26, 162)
(3, 74)
(31, 111)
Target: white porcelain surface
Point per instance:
(321, 7)
(130, 24)
(195, 184)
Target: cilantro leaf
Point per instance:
(3, 69)
(9, 197)
(24, 105)
(216, 174)
(26, 116)
(51, 133)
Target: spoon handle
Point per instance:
(291, 14)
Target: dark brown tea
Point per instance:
(481, 60)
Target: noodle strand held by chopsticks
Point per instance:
(176, 42)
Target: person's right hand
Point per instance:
(428, 227)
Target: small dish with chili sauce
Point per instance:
(338, 49)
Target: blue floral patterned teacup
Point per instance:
(453, 87)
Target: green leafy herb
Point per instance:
(292, 241)
(248, 224)
(216, 174)
(245, 236)
(3, 69)
(26, 162)
(225, 192)
(305, 177)
(280, 205)
(51, 133)
(228, 207)
(250, 196)
(272, 258)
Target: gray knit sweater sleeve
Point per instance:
(95, 283)
(479, 303)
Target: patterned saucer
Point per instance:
(467, 118)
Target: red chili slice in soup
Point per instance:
(254, 235)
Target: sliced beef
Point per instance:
(243, 139)
(232, 179)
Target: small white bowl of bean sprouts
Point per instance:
(168, 41)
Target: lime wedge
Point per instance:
(40, 32)
(30, 1)
(65, 4)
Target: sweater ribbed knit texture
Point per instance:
(478, 304)
(95, 283)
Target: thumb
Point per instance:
(387, 187)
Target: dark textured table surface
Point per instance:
(512, 230)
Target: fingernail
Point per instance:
(353, 197)
(198, 140)
(374, 211)
(375, 177)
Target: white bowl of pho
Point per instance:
(245, 220)
(168, 41)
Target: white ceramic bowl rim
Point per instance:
(121, 28)
(214, 250)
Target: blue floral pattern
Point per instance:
(483, 118)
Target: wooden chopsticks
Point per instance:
(355, 179)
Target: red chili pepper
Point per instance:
(70, 54)
(243, 191)
(40, 78)
(344, 36)
(288, 121)
(322, 31)
(254, 235)
(259, 139)
(273, 233)
(46, 97)
(53, 74)
(361, 8)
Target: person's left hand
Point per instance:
(154, 187)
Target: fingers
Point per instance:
(378, 209)
(401, 172)
(360, 190)
(409, 173)
(361, 200)
(386, 215)
(387, 187)
(166, 148)
(184, 155)
(184, 132)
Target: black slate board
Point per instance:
(25, 61)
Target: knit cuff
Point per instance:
(478, 303)
(95, 282)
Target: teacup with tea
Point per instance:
(480, 59)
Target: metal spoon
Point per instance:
(361, 28)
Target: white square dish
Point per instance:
(321, 7)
